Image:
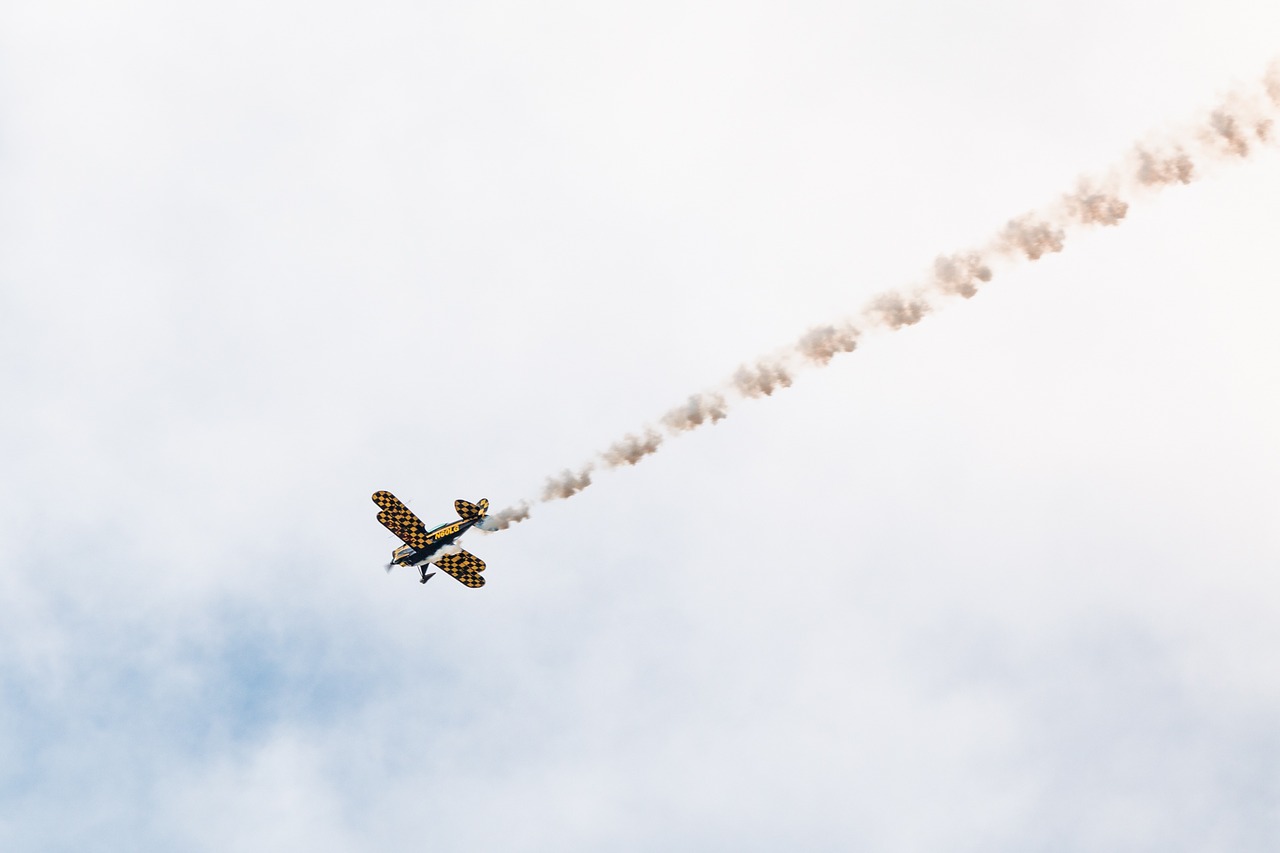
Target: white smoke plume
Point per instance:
(505, 518)
(632, 448)
(567, 484)
(1239, 126)
(701, 408)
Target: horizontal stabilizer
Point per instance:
(467, 510)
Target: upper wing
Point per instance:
(417, 537)
(400, 520)
(464, 566)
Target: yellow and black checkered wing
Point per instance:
(465, 567)
(400, 520)
(417, 537)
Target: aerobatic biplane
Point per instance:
(437, 547)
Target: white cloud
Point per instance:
(999, 581)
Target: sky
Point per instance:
(1002, 580)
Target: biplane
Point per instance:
(438, 547)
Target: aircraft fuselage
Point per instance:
(443, 540)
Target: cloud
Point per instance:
(242, 294)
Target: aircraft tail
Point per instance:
(467, 510)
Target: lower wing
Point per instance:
(463, 566)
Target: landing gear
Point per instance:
(422, 570)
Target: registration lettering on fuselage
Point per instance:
(446, 531)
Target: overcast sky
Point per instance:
(1005, 580)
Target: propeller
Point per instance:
(387, 567)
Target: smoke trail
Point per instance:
(1244, 121)
(567, 484)
(701, 408)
